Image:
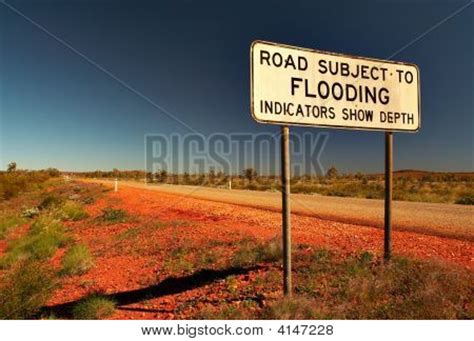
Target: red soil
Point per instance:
(118, 268)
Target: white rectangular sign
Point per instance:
(297, 86)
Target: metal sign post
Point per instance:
(285, 196)
(388, 195)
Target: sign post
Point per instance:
(388, 196)
(296, 86)
(286, 222)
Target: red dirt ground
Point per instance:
(137, 262)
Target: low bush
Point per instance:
(113, 215)
(250, 253)
(305, 188)
(94, 307)
(76, 261)
(270, 251)
(465, 199)
(291, 309)
(45, 236)
(48, 224)
(15, 182)
(51, 202)
(407, 289)
(130, 234)
(208, 258)
(227, 312)
(7, 223)
(25, 289)
(178, 261)
(359, 286)
(364, 287)
(73, 211)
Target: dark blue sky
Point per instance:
(192, 58)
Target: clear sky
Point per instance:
(192, 58)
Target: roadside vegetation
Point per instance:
(44, 237)
(8, 223)
(25, 289)
(327, 285)
(361, 286)
(113, 215)
(41, 203)
(94, 307)
(77, 260)
(72, 210)
(15, 181)
(455, 188)
(250, 252)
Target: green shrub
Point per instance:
(304, 188)
(48, 224)
(364, 287)
(88, 200)
(245, 255)
(130, 234)
(177, 262)
(51, 202)
(291, 309)
(73, 211)
(113, 215)
(76, 261)
(25, 289)
(15, 182)
(208, 257)
(38, 247)
(270, 251)
(321, 255)
(45, 236)
(8, 223)
(465, 199)
(251, 253)
(407, 289)
(227, 312)
(94, 307)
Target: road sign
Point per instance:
(298, 86)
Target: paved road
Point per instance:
(447, 220)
